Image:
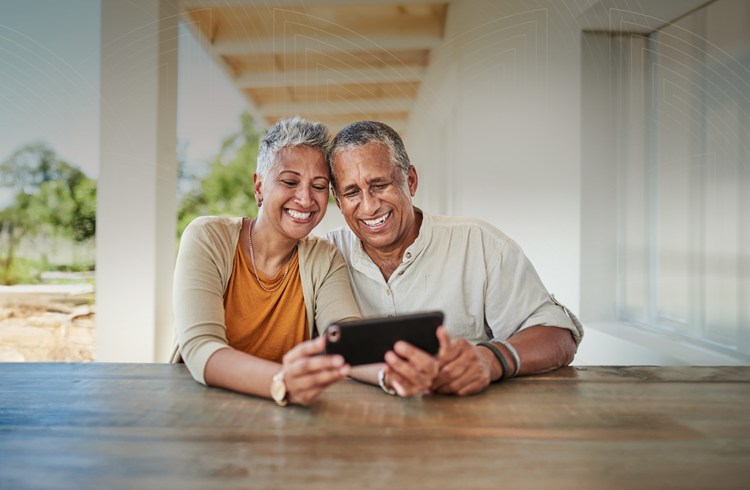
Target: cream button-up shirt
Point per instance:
(466, 268)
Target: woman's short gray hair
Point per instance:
(366, 132)
(288, 133)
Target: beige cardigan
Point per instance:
(202, 272)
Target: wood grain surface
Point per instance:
(112, 426)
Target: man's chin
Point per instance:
(375, 239)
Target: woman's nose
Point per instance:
(304, 196)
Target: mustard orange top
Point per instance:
(261, 323)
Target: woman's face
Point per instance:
(295, 191)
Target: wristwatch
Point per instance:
(278, 389)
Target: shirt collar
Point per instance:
(363, 263)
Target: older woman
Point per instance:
(250, 293)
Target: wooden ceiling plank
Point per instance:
(332, 45)
(341, 106)
(426, 19)
(352, 91)
(325, 76)
(228, 72)
(207, 4)
(310, 60)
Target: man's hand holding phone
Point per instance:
(410, 370)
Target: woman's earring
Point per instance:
(260, 203)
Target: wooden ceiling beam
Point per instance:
(225, 69)
(193, 4)
(395, 124)
(324, 45)
(339, 107)
(324, 76)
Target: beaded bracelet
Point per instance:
(513, 353)
(500, 357)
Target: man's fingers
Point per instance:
(305, 349)
(451, 371)
(472, 388)
(445, 342)
(403, 386)
(410, 372)
(450, 352)
(419, 358)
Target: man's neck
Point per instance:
(388, 259)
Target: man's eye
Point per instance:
(319, 188)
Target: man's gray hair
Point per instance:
(288, 133)
(367, 132)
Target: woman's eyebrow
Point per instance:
(288, 172)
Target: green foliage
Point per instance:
(53, 198)
(228, 189)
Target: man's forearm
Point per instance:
(541, 349)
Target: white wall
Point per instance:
(495, 133)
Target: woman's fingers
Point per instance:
(305, 349)
(307, 374)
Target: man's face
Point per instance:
(375, 196)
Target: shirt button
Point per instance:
(408, 255)
(388, 292)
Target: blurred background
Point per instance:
(609, 138)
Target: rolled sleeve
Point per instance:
(516, 297)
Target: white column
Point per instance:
(136, 205)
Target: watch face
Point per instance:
(278, 389)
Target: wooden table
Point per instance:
(113, 426)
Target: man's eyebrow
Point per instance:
(348, 188)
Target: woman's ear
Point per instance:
(258, 189)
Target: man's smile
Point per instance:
(376, 222)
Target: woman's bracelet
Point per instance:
(381, 380)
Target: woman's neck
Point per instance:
(271, 249)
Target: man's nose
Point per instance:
(369, 204)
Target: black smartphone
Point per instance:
(367, 341)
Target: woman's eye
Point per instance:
(289, 182)
(319, 188)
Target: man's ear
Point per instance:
(411, 180)
(258, 188)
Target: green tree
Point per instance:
(53, 197)
(228, 189)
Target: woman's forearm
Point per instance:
(237, 371)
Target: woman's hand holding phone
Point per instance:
(306, 374)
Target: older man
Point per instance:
(502, 320)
